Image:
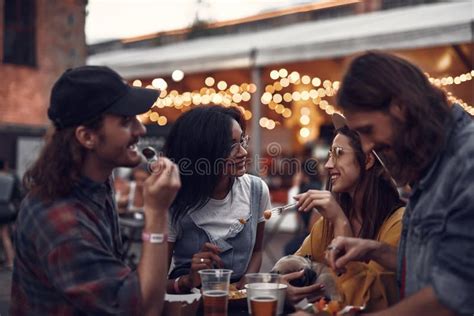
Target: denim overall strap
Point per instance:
(236, 247)
(241, 237)
(256, 189)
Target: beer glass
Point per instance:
(215, 291)
(263, 291)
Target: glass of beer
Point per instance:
(262, 293)
(215, 291)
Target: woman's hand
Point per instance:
(295, 294)
(323, 202)
(207, 258)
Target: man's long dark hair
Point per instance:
(199, 142)
(59, 165)
(374, 81)
(380, 197)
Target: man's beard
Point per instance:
(399, 159)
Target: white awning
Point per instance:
(404, 28)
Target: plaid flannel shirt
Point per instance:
(69, 257)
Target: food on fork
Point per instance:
(267, 214)
(278, 210)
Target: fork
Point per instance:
(280, 209)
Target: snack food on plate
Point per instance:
(236, 294)
(331, 308)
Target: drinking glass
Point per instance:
(263, 293)
(215, 291)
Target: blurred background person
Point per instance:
(129, 193)
(129, 197)
(10, 197)
(307, 178)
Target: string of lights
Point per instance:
(308, 89)
(449, 80)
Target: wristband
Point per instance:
(176, 285)
(155, 238)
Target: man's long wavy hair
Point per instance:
(374, 81)
(59, 165)
(379, 196)
(200, 136)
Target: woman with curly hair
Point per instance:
(217, 217)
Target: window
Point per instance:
(19, 39)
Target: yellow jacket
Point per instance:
(369, 283)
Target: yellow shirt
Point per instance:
(367, 284)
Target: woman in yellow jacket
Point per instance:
(362, 202)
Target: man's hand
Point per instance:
(295, 294)
(343, 250)
(161, 187)
(159, 191)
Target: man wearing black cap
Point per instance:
(68, 244)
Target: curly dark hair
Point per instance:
(374, 81)
(201, 135)
(58, 167)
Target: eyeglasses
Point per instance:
(336, 152)
(244, 143)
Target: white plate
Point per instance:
(195, 295)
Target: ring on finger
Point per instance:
(331, 247)
(202, 260)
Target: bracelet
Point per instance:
(155, 238)
(176, 285)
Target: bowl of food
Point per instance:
(237, 298)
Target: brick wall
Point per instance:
(60, 44)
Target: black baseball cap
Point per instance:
(83, 93)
